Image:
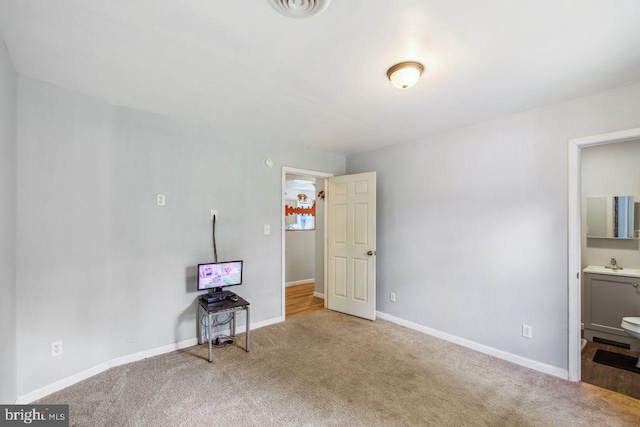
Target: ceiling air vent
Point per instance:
(300, 8)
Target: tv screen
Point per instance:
(219, 274)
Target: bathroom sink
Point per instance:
(625, 272)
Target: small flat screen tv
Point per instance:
(217, 275)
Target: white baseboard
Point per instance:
(123, 360)
(263, 323)
(63, 383)
(500, 354)
(87, 373)
(318, 295)
(299, 282)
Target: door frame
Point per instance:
(574, 269)
(315, 174)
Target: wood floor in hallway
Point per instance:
(299, 299)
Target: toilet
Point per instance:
(631, 325)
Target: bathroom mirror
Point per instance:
(610, 217)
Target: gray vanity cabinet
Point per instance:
(607, 299)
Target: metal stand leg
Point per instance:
(233, 323)
(209, 335)
(247, 333)
(199, 329)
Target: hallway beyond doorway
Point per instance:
(300, 300)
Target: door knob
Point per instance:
(370, 253)
(635, 285)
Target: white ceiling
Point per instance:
(321, 82)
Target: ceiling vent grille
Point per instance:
(300, 8)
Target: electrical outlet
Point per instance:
(214, 212)
(160, 199)
(392, 296)
(527, 331)
(56, 348)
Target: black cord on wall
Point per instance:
(215, 250)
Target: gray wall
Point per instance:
(8, 84)
(610, 170)
(111, 273)
(300, 249)
(472, 224)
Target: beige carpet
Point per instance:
(328, 369)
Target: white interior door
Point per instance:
(351, 246)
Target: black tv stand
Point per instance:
(224, 306)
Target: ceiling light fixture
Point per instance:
(405, 74)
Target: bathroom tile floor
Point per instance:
(608, 377)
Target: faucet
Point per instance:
(614, 265)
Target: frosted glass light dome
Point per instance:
(405, 74)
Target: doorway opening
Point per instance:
(303, 241)
(610, 186)
(575, 236)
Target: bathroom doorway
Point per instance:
(575, 240)
(610, 253)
